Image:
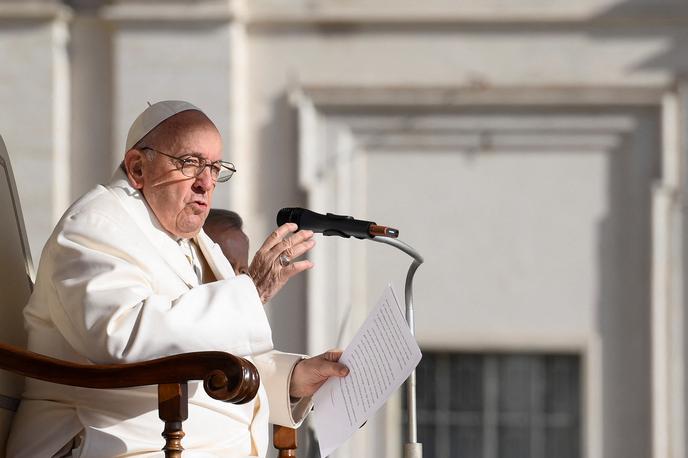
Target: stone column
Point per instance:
(34, 119)
(668, 277)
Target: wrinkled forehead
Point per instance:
(189, 132)
(186, 123)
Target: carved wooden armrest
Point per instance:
(225, 377)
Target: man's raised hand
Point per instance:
(273, 265)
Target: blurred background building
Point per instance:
(533, 151)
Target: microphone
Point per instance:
(331, 224)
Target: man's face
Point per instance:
(180, 203)
(234, 245)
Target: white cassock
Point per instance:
(114, 287)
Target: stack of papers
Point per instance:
(382, 354)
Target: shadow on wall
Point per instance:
(287, 311)
(625, 303)
(647, 17)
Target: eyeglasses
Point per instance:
(192, 166)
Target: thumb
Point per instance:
(334, 368)
(332, 355)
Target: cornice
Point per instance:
(468, 12)
(214, 11)
(35, 11)
(338, 97)
(439, 13)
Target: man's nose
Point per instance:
(205, 181)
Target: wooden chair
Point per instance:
(225, 377)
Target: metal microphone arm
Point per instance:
(412, 448)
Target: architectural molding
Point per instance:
(382, 118)
(35, 11)
(668, 282)
(171, 11)
(449, 97)
(590, 13)
(338, 126)
(360, 12)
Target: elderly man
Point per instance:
(225, 228)
(128, 275)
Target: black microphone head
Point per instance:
(289, 215)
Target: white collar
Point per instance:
(135, 204)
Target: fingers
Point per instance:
(339, 370)
(268, 271)
(310, 373)
(295, 268)
(294, 246)
(280, 242)
(278, 236)
(331, 369)
(330, 364)
(279, 233)
(332, 355)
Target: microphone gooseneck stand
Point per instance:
(412, 448)
(346, 226)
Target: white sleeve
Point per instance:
(275, 370)
(115, 304)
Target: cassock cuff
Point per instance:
(275, 370)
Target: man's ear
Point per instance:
(133, 164)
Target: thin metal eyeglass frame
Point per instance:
(179, 162)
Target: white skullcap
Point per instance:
(153, 116)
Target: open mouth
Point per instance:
(199, 203)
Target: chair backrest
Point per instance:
(16, 283)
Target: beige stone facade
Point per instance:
(532, 151)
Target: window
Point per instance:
(498, 405)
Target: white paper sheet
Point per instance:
(382, 354)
